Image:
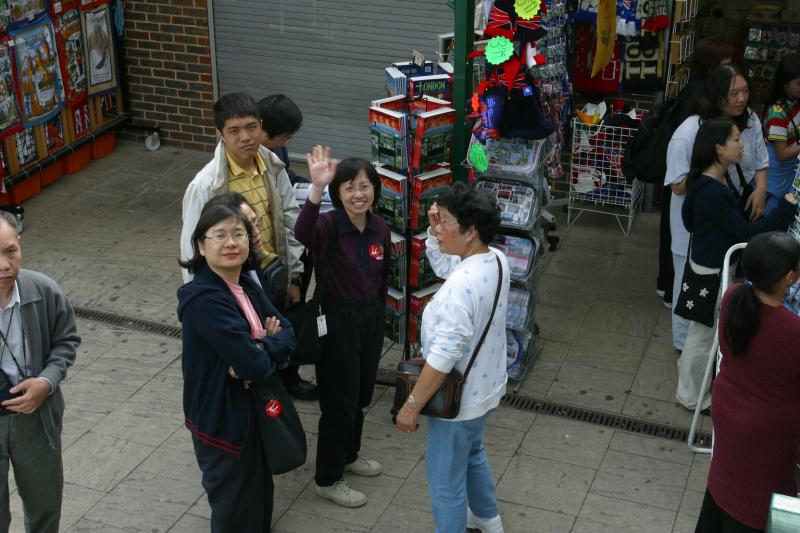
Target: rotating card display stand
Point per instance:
(516, 178)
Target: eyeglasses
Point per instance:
(445, 223)
(256, 222)
(220, 237)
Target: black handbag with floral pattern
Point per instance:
(697, 299)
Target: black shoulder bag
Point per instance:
(282, 436)
(697, 299)
(446, 403)
(304, 317)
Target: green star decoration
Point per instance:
(478, 157)
(527, 9)
(498, 50)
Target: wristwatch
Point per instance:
(411, 400)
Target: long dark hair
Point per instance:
(712, 132)
(708, 52)
(718, 86)
(208, 218)
(767, 259)
(788, 70)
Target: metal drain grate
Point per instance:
(128, 322)
(600, 418)
(610, 420)
(386, 377)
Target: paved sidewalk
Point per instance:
(109, 235)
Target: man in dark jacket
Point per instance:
(280, 121)
(38, 340)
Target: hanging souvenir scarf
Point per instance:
(606, 81)
(23, 12)
(503, 21)
(38, 72)
(643, 69)
(10, 120)
(98, 41)
(657, 15)
(71, 54)
(627, 22)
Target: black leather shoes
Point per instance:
(304, 390)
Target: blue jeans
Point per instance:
(458, 472)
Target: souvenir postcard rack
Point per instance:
(596, 181)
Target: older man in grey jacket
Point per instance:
(37, 344)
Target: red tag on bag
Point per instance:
(273, 408)
(376, 252)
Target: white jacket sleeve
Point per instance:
(193, 201)
(442, 264)
(762, 155)
(451, 337)
(290, 213)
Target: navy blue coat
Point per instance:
(216, 336)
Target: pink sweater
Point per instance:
(756, 416)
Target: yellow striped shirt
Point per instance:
(251, 185)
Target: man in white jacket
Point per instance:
(242, 165)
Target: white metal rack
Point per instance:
(596, 181)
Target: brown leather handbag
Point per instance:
(446, 403)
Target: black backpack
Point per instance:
(646, 154)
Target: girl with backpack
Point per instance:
(782, 129)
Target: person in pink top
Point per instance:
(756, 396)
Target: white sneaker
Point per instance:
(484, 525)
(342, 494)
(659, 293)
(365, 467)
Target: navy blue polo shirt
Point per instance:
(359, 268)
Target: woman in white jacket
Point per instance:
(460, 483)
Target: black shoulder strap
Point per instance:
(491, 317)
(740, 176)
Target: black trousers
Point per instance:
(714, 519)
(346, 381)
(239, 489)
(666, 273)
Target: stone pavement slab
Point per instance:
(109, 235)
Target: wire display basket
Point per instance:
(519, 203)
(596, 181)
(516, 159)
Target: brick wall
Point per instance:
(167, 70)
